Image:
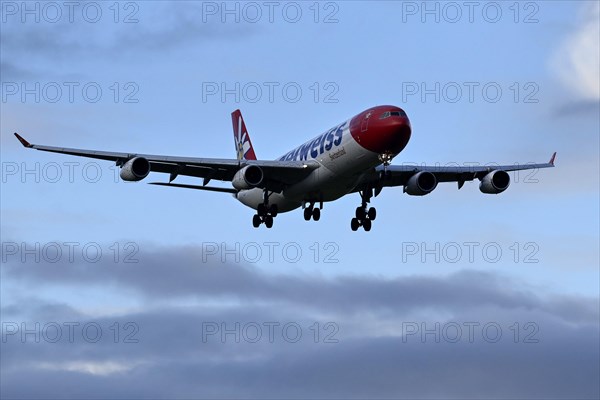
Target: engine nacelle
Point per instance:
(495, 182)
(248, 177)
(420, 184)
(135, 169)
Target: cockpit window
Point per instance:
(398, 113)
(388, 114)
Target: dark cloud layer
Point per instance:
(187, 272)
(372, 357)
(160, 28)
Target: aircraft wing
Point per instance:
(277, 173)
(399, 175)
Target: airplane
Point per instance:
(352, 157)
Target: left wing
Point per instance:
(411, 176)
(277, 174)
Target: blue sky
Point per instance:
(544, 60)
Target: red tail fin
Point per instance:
(243, 145)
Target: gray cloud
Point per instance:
(10, 71)
(180, 273)
(172, 361)
(373, 356)
(579, 109)
(161, 27)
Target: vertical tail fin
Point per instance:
(243, 145)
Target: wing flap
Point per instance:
(185, 186)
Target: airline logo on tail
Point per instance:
(243, 145)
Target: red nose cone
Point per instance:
(394, 136)
(384, 129)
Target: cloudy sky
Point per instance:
(126, 290)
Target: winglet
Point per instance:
(23, 141)
(552, 159)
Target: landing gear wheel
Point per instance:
(372, 213)
(307, 214)
(268, 221)
(316, 214)
(261, 210)
(366, 225)
(365, 216)
(273, 210)
(360, 213)
(265, 212)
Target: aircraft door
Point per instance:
(365, 122)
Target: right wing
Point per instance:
(277, 174)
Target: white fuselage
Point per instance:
(341, 160)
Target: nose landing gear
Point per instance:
(363, 216)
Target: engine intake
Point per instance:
(420, 184)
(248, 177)
(135, 169)
(495, 182)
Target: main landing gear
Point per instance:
(311, 211)
(364, 217)
(265, 213)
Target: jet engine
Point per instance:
(420, 184)
(495, 182)
(248, 177)
(135, 169)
